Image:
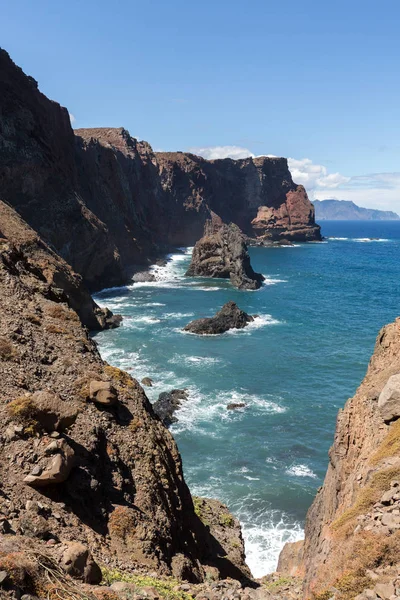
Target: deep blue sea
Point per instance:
(320, 311)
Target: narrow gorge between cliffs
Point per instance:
(293, 368)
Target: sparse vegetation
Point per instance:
(122, 522)
(51, 328)
(380, 483)
(199, 506)
(226, 520)
(273, 585)
(33, 318)
(390, 445)
(23, 410)
(7, 350)
(119, 377)
(135, 424)
(167, 588)
(58, 311)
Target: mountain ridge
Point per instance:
(347, 210)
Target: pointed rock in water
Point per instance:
(222, 252)
(229, 317)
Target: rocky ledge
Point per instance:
(229, 317)
(222, 252)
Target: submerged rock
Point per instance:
(147, 381)
(167, 404)
(222, 252)
(229, 317)
(235, 405)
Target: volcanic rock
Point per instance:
(147, 381)
(235, 405)
(229, 317)
(167, 404)
(78, 562)
(57, 470)
(222, 252)
(102, 392)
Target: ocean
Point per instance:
(320, 311)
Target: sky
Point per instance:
(317, 82)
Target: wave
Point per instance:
(300, 471)
(263, 543)
(364, 240)
(201, 409)
(271, 281)
(198, 361)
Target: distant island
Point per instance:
(346, 210)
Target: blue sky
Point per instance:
(318, 82)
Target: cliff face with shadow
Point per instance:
(107, 204)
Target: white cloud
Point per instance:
(72, 118)
(215, 152)
(312, 176)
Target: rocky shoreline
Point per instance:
(92, 487)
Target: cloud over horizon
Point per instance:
(372, 190)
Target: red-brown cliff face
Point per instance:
(257, 194)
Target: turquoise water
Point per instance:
(320, 311)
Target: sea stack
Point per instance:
(229, 317)
(222, 252)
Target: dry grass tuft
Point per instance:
(390, 445)
(7, 350)
(63, 313)
(367, 497)
(122, 522)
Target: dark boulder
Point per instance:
(167, 404)
(229, 317)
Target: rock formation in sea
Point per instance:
(108, 204)
(167, 404)
(257, 194)
(222, 252)
(229, 317)
(90, 477)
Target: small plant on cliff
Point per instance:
(23, 410)
(58, 311)
(119, 376)
(380, 483)
(7, 350)
(199, 505)
(390, 445)
(226, 520)
(122, 522)
(167, 588)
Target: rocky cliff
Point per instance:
(352, 540)
(107, 204)
(257, 194)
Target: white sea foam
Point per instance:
(339, 239)
(196, 413)
(300, 471)
(364, 240)
(198, 361)
(272, 281)
(177, 315)
(264, 543)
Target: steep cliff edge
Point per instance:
(352, 531)
(257, 194)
